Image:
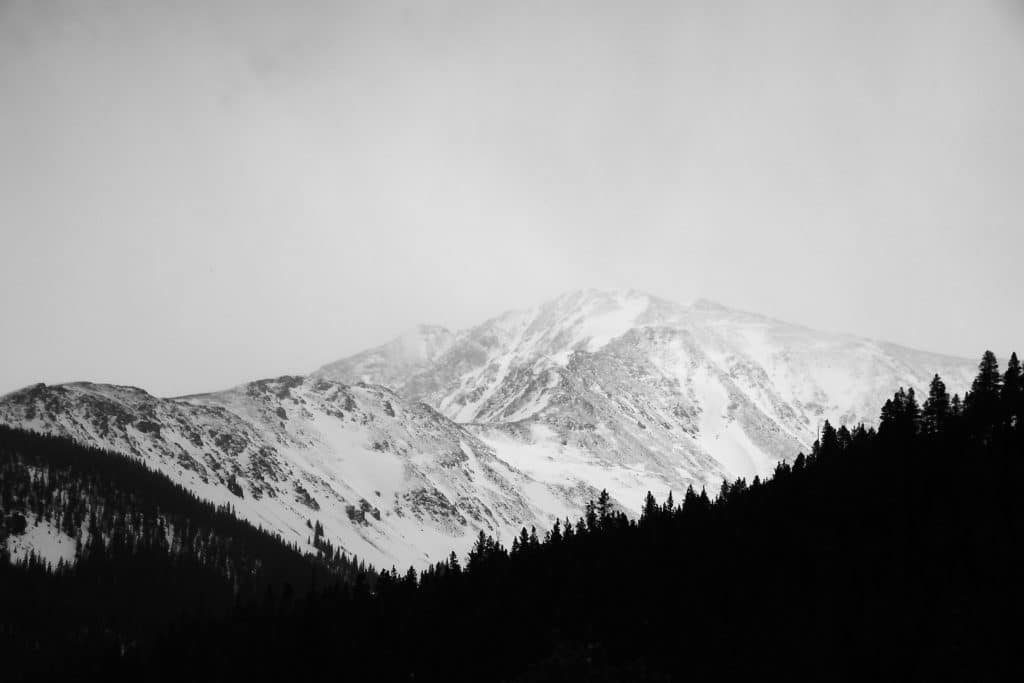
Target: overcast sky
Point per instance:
(193, 195)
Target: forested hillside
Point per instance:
(137, 552)
(879, 555)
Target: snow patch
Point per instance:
(45, 540)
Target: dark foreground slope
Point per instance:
(879, 556)
(149, 554)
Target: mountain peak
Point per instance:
(414, 349)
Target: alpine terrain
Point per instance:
(406, 452)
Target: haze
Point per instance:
(193, 195)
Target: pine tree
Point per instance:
(799, 462)
(980, 405)
(985, 387)
(590, 514)
(844, 438)
(690, 502)
(911, 412)
(987, 382)
(555, 536)
(478, 552)
(936, 407)
(604, 507)
(829, 445)
(889, 417)
(581, 526)
(569, 533)
(1012, 396)
(901, 416)
(650, 509)
(956, 406)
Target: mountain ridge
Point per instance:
(407, 450)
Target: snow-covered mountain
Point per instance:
(628, 391)
(406, 451)
(392, 482)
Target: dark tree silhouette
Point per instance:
(936, 407)
(980, 404)
(1012, 396)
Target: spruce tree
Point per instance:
(556, 532)
(604, 506)
(650, 509)
(829, 442)
(591, 517)
(936, 407)
(844, 438)
(569, 533)
(581, 526)
(985, 388)
(1012, 396)
(911, 411)
(981, 404)
(956, 406)
(690, 502)
(887, 420)
(988, 380)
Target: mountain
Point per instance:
(407, 451)
(630, 392)
(391, 481)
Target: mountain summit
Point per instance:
(407, 451)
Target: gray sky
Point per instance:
(195, 197)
